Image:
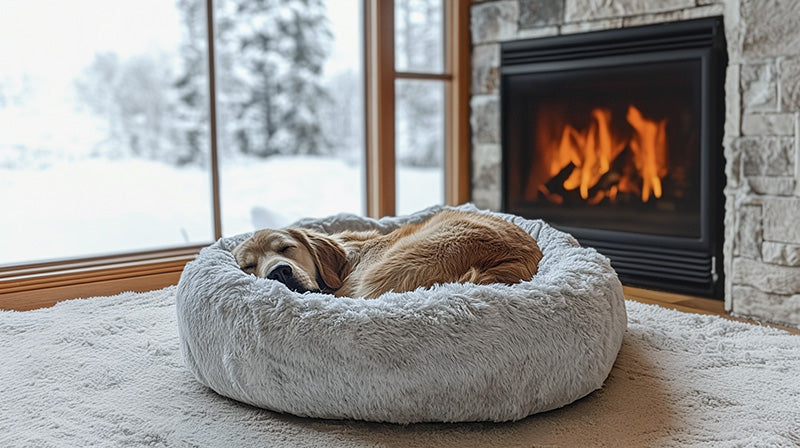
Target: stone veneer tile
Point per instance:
(766, 277)
(485, 182)
(704, 11)
(537, 13)
(494, 21)
(596, 25)
(647, 19)
(674, 16)
(790, 83)
(733, 110)
(729, 232)
(781, 253)
(748, 232)
(485, 119)
(485, 69)
(486, 176)
(580, 10)
(766, 156)
(486, 169)
(489, 154)
(776, 186)
(781, 220)
(768, 124)
(759, 87)
(776, 308)
(487, 199)
(797, 155)
(539, 32)
(733, 168)
(770, 28)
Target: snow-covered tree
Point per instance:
(270, 55)
(419, 48)
(269, 59)
(191, 86)
(138, 101)
(342, 117)
(16, 89)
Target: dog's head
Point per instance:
(301, 259)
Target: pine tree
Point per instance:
(136, 97)
(270, 55)
(419, 115)
(191, 86)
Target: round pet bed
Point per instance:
(451, 353)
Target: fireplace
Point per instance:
(616, 137)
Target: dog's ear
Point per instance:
(240, 250)
(329, 255)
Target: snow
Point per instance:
(56, 39)
(68, 189)
(92, 206)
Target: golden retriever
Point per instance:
(451, 246)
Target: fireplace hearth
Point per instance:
(616, 137)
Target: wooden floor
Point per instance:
(689, 304)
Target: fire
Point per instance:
(591, 158)
(649, 146)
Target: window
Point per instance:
(94, 158)
(127, 150)
(417, 117)
(289, 103)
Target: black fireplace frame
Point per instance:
(669, 263)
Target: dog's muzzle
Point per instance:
(284, 274)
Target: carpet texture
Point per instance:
(485, 352)
(108, 372)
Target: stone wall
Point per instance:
(762, 125)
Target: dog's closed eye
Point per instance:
(250, 268)
(285, 249)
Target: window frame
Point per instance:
(380, 103)
(36, 285)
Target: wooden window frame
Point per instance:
(37, 285)
(380, 103)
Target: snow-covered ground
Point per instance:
(89, 206)
(63, 194)
(68, 189)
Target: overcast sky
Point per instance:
(57, 38)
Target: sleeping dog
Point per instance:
(451, 246)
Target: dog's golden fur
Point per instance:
(451, 246)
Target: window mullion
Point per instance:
(458, 66)
(380, 104)
(424, 76)
(212, 112)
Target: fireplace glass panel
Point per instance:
(615, 136)
(608, 147)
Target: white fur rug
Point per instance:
(108, 372)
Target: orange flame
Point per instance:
(649, 146)
(593, 150)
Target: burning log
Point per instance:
(594, 163)
(556, 183)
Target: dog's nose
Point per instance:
(281, 273)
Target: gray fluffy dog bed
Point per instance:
(451, 353)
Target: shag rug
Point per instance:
(107, 371)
